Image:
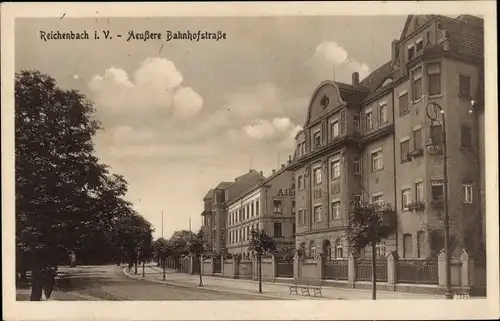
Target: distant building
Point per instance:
(268, 205)
(215, 204)
(368, 140)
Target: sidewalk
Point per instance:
(280, 290)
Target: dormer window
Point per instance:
(411, 52)
(386, 82)
(317, 139)
(420, 44)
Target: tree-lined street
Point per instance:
(108, 282)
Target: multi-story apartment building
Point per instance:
(269, 206)
(368, 140)
(215, 213)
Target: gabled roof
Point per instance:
(223, 185)
(209, 195)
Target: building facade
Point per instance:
(269, 206)
(215, 213)
(369, 139)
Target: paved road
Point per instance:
(110, 283)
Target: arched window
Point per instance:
(327, 250)
(339, 248)
(407, 245)
(380, 248)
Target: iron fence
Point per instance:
(417, 271)
(284, 268)
(217, 265)
(364, 270)
(335, 269)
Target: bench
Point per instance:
(306, 287)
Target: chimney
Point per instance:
(355, 78)
(282, 166)
(289, 159)
(394, 49)
(250, 170)
(261, 173)
(274, 171)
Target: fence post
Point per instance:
(351, 269)
(222, 265)
(274, 269)
(392, 262)
(296, 267)
(319, 266)
(467, 274)
(236, 267)
(442, 269)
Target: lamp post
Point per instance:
(433, 112)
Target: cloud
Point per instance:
(280, 130)
(330, 58)
(155, 87)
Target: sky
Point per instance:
(181, 116)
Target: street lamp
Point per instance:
(433, 112)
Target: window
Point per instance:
(420, 244)
(437, 134)
(305, 217)
(464, 83)
(355, 120)
(467, 193)
(317, 175)
(417, 84)
(335, 210)
(300, 182)
(357, 165)
(303, 148)
(248, 211)
(411, 52)
(342, 121)
(293, 207)
(434, 78)
(334, 128)
(293, 229)
(419, 192)
(466, 136)
(405, 151)
(369, 120)
(300, 217)
(380, 249)
(377, 161)
(405, 199)
(339, 249)
(383, 114)
(420, 45)
(407, 245)
(317, 213)
(312, 249)
(335, 169)
(277, 230)
(437, 190)
(417, 139)
(277, 206)
(253, 209)
(257, 207)
(248, 232)
(403, 104)
(317, 139)
(377, 200)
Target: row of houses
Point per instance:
(370, 140)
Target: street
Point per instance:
(110, 283)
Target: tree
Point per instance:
(162, 249)
(259, 244)
(368, 225)
(65, 198)
(197, 249)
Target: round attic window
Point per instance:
(324, 101)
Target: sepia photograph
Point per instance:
(294, 160)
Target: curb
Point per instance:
(205, 288)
